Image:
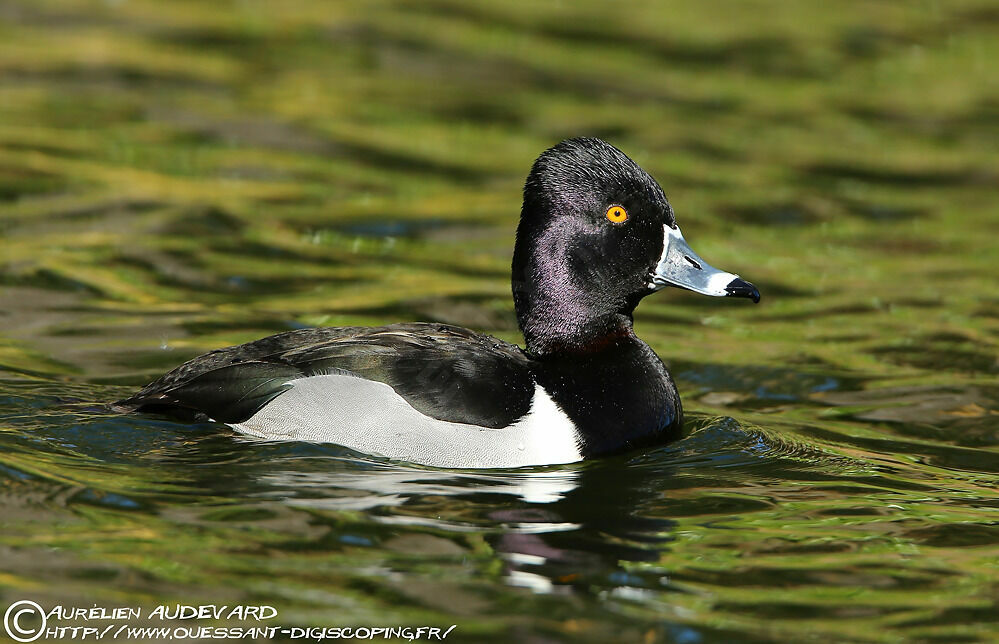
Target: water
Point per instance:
(175, 177)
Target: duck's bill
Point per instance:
(681, 266)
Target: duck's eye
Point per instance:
(617, 214)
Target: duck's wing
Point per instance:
(445, 372)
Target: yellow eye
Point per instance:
(617, 214)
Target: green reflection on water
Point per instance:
(178, 176)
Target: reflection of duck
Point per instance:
(379, 485)
(596, 235)
(580, 539)
(554, 528)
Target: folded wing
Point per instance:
(445, 372)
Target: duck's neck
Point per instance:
(555, 330)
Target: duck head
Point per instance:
(596, 235)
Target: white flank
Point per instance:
(371, 417)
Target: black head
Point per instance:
(594, 233)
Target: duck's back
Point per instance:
(446, 372)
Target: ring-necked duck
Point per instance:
(596, 235)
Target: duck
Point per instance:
(596, 235)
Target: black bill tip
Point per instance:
(741, 288)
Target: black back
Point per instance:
(445, 372)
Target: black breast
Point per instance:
(620, 397)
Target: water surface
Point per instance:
(179, 176)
